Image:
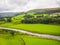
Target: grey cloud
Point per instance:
(7, 5)
(58, 2)
(23, 5)
(19, 2)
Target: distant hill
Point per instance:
(47, 10)
(8, 14)
(35, 11)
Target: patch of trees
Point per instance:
(12, 33)
(31, 19)
(41, 19)
(5, 19)
(8, 19)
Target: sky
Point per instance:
(25, 5)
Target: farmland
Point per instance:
(6, 38)
(39, 28)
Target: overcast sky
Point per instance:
(24, 5)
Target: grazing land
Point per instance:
(39, 28)
(7, 38)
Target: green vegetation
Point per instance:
(39, 28)
(10, 38)
(39, 21)
(42, 18)
(36, 22)
(6, 38)
(31, 40)
(10, 41)
(33, 17)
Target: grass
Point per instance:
(39, 28)
(31, 40)
(27, 39)
(9, 41)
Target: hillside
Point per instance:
(35, 11)
(45, 11)
(38, 16)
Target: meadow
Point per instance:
(6, 38)
(38, 28)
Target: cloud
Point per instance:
(58, 2)
(25, 5)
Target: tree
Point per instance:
(9, 19)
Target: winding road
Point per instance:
(34, 34)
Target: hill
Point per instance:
(45, 11)
(8, 14)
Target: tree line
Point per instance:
(29, 19)
(41, 19)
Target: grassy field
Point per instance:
(31, 40)
(18, 39)
(39, 28)
(9, 41)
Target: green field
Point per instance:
(39, 28)
(18, 39)
(31, 40)
(9, 41)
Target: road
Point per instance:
(34, 34)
